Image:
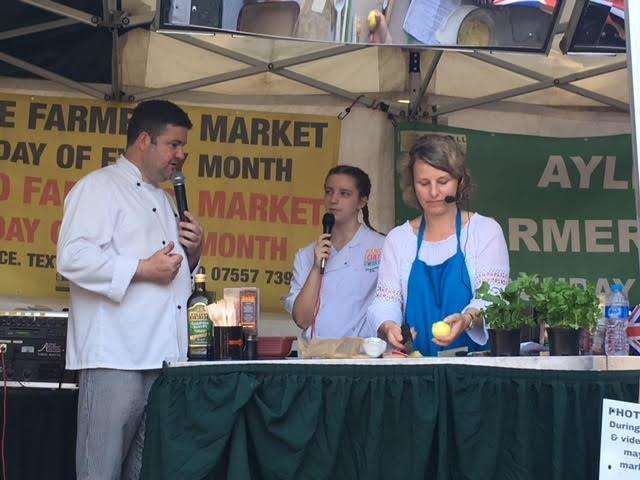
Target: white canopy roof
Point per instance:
(155, 63)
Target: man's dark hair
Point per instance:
(153, 117)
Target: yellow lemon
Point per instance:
(440, 329)
(372, 20)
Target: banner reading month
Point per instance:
(566, 205)
(254, 180)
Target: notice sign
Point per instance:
(620, 440)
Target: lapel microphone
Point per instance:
(449, 199)
(327, 225)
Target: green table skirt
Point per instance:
(306, 421)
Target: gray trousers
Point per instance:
(111, 405)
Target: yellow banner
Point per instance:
(254, 180)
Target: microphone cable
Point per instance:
(4, 414)
(316, 309)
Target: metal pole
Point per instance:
(40, 27)
(497, 62)
(65, 11)
(514, 92)
(54, 77)
(632, 21)
(416, 102)
(279, 68)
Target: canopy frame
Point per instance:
(117, 20)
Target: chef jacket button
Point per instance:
(179, 307)
(138, 184)
(163, 242)
(154, 209)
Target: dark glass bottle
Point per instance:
(198, 323)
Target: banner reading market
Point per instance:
(254, 180)
(566, 205)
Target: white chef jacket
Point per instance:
(113, 219)
(348, 285)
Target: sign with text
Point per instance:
(254, 180)
(566, 205)
(620, 440)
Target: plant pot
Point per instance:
(505, 343)
(563, 341)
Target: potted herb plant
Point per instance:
(507, 313)
(565, 309)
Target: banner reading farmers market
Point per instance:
(566, 205)
(254, 180)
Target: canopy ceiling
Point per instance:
(122, 57)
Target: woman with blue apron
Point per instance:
(436, 291)
(430, 265)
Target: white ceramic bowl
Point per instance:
(374, 346)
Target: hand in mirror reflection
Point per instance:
(378, 28)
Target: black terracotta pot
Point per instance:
(563, 341)
(505, 343)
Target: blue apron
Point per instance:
(436, 291)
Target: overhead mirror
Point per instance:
(596, 26)
(514, 25)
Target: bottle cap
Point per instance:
(616, 287)
(201, 276)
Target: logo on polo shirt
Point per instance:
(372, 259)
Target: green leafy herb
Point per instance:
(565, 306)
(509, 309)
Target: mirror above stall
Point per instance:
(511, 25)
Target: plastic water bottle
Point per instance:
(617, 316)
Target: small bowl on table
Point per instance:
(374, 346)
(274, 348)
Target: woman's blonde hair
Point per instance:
(441, 152)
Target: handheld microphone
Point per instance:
(449, 199)
(181, 195)
(327, 225)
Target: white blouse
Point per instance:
(486, 256)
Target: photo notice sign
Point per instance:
(620, 440)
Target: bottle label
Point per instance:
(199, 329)
(617, 311)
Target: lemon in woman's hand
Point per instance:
(441, 329)
(372, 20)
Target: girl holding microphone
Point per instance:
(334, 304)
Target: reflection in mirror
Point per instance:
(519, 25)
(597, 26)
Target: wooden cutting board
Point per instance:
(313, 25)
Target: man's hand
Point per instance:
(191, 239)
(161, 267)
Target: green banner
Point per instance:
(566, 205)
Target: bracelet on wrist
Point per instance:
(471, 323)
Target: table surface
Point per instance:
(581, 363)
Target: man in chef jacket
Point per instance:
(128, 260)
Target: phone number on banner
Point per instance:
(250, 275)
